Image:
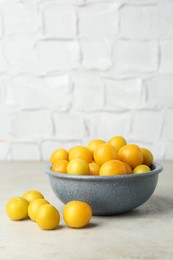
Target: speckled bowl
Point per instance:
(107, 195)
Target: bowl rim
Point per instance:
(157, 168)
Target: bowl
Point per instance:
(107, 195)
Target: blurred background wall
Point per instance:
(76, 70)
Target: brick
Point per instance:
(168, 125)
(147, 22)
(159, 89)
(75, 2)
(20, 17)
(158, 149)
(54, 55)
(105, 125)
(169, 151)
(1, 94)
(59, 21)
(135, 56)
(3, 64)
(165, 24)
(48, 146)
(5, 125)
(98, 1)
(139, 22)
(53, 92)
(31, 125)
(95, 54)
(99, 20)
(69, 126)
(25, 151)
(1, 25)
(4, 150)
(146, 125)
(88, 93)
(123, 94)
(20, 54)
(166, 62)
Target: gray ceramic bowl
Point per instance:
(107, 195)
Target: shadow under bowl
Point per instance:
(107, 195)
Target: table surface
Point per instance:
(144, 233)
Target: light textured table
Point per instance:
(145, 233)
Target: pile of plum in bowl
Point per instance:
(112, 176)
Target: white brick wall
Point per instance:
(168, 129)
(69, 126)
(31, 125)
(139, 22)
(104, 124)
(23, 151)
(98, 21)
(20, 54)
(3, 64)
(88, 93)
(57, 55)
(146, 125)
(166, 65)
(135, 56)
(20, 17)
(59, 21)
(73, 70)
(51, 92)
(165, 20)
(147, 21)
(159, 89)
(1, 25)
(5, 126)
(123, 94)
(95, 54)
